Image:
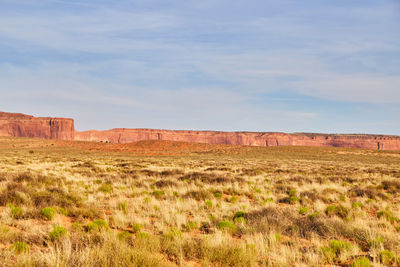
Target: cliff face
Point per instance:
(378, 142)
(20, 125)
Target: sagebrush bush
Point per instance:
(16, 212)
(97, 225)
(337, 210)
(106, 188)
(58, 233)
(361, 262)
(387, 257)
(226, 226)
(20, 247)
(48, 213)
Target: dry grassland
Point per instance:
(176, 204)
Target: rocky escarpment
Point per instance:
(268, 139)
(21, 125)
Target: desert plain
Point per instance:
(165, 203)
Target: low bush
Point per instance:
(123, 205)
(303, 210)
(58, 233)
(361, 262)
(48, 213)
(337, 210)
(335, 248)
(16, 212)
(388, 216)
(227, 226)
(97, 225)
(106, 188)
(387, 257)
(20, 247)
(209, 204)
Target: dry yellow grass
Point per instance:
(169, 204)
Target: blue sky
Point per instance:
(261, 65)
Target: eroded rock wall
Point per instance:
(20, 125)
(379, 142)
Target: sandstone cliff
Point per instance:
(121, 136)
(20, 125)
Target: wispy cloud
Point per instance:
(207, 64)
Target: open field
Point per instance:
(161, 203)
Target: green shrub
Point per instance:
(233, 199)
(48, 213)
(303, 210)
(328, 254)
(293, 199)
(335, 248)
(97, 225)
(386, 257)
(191, 225)
(76, 226)
(63, 211)
(240, 220)
(268, 199)
(338, 246)
(124, 235)
(338, 210)
(173, 234)
(209, 204)
(217, 195)
(227, 254)
(239, 214)
(257, 190)
(388, 216)
(58, 232)
(375, 242)
(356, 205)
(226, 226)
(361, 262)
(136, 227)
(123, 205)
(240, 217)
(20, 247)
(106, 188)
(17, 212)
(313, 215)
(158, 194)
(147, 242)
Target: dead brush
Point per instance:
(208, 178)
(198, 194)
(391, 186)
(165, 183)
(370, 192)
(14, 194)
(55, 197)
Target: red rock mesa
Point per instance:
(20, 125)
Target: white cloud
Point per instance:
(171, 63)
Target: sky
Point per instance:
(329, 66)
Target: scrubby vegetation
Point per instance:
(281, 206)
